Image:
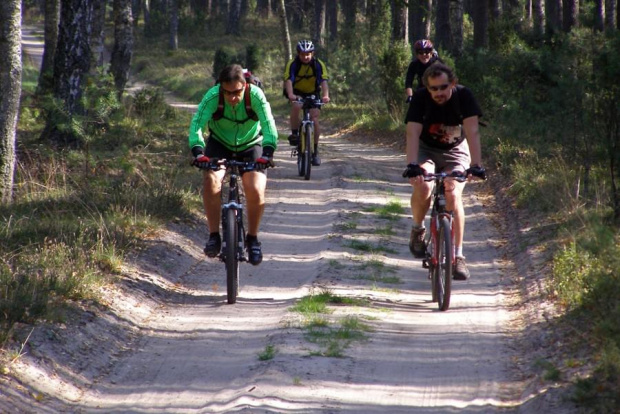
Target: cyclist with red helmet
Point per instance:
(425, 55)
(305, 75)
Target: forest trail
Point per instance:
(169, 343)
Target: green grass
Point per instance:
(77, 212)
(369, 247)
(268, 353)
(331, 336)
(390, 211)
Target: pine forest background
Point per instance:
(75, 145)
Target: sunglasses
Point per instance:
(236, 92)
(424, 51)
(439, 88)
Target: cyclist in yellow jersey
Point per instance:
(305, 75)
(239, 130)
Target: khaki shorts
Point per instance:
(454, 159)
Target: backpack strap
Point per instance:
(219, 113)
(248, 104)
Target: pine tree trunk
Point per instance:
(52, 18)
(71, 66)
(10, 85)
(443, 33)
(97, 35)
(481, 24)
(610, 13)
(319, 23)
(571, 14)
(234, 18)
(538, 17)
(553, 9)
(120, 63)
(286, 37)
(332, 19)
(263, 8)
(173, 30)
(400, 20)
(599, 15)
(456, 27)
(419, 19)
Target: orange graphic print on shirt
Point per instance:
(445, 134)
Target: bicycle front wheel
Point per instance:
(232, 260)
(308, 140)
(444, 267)
(301, 162)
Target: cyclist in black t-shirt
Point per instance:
(442, 135)
(425, 55)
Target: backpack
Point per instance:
(250, 79)
(315, 70)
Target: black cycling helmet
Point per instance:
(305, 46)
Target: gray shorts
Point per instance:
(456, 158)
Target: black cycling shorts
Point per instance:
(215, 149)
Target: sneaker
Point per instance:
(316, 160)
(460, 271)
(293, 140)
(417, 247)
(255, 254)
(214, 245)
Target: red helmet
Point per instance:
(423, 44)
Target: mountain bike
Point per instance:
(306, 143)
(233, 233)
(440, 255)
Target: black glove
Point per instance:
(200, 160)
(267, 157)
(413, 170)
(409, 98)
(477, 171)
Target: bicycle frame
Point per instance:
(233, 238)
(440, 253)
(307, 141)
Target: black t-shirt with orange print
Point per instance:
(442, 124)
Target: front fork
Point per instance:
(432, 241)
(300, 148)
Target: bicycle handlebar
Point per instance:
(244, 166)
(309, 102)
(457, 175)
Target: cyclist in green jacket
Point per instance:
(241, 127)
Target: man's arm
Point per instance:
(288, 86)
(414, 130)
(472, 133)
(324, 92)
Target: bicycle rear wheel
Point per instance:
(232, 260)
(308, 139)
(444, 267)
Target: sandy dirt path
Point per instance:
(195, 353)
(169, 343)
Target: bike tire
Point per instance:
(444, 267)
(308, 139)
(301, 166)
(232, 259)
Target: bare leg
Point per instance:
(254, 184)
(211, 197)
